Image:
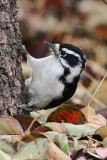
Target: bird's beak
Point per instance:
(53, 47)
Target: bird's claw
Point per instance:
(24, 109)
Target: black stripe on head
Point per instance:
(73, 48)
(73, 60)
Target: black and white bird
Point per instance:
(54, 78)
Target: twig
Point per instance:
(97, 101)
(97, 89)
(89, 149)
(46, 136)
(15, 130)
(20, 141)
(95, 140)
(30, 126)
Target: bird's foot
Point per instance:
(24, 109)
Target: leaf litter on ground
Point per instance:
(66, 137)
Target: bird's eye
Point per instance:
(63, 54)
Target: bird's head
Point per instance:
(68, 55)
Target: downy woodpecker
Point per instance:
(54, 78)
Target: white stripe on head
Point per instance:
(71, 52)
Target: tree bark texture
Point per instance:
(11, 77)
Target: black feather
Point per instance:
(69, 90)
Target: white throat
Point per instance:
(74, 71)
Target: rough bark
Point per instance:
(11, 76)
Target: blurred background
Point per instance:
(79, 22)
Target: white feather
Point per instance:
(74, 72)
(71, 52)
(44, 85)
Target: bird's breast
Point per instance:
(45, 85)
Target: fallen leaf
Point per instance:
(102, 152)
(4, 156)
(105, 141)
(79, 130)
(102, 131)
(5, 128)
(42, 115)
(55, 126)
(25, 122)
(42, 129)
(32, 136)
(81, 144)
(10, 138)
(55, 153)
(57, 139)
(52, 135)
(93, 119)
(35, 148)
(63, 144)
(68, 114)
(6, 147)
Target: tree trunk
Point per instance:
(11, 77)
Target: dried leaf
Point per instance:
(79, 130)
(6, 147)
(93, 119)
(63, 144)
(81, 144)
(35, 148)
(42, 129)
(25, 122)
(102, 152)
(32, 136)
(4, 156)
(102, 131)
(55, 126)
(57, 139)
(68, 114)
(5, 127)
(10, 138)
(54, 153)
(42, 115)
(105, 141)
(52, 135)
